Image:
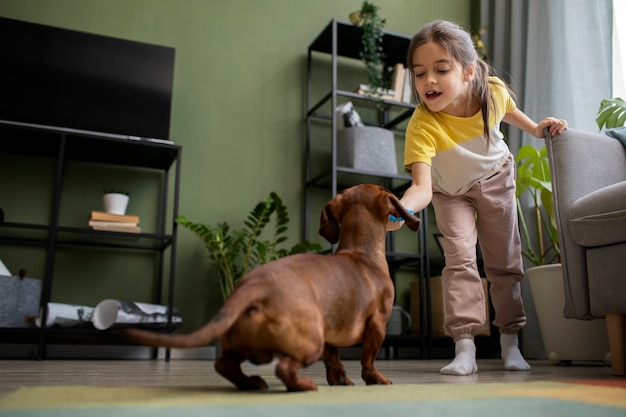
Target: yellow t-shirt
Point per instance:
(455, 147)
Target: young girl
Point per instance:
(459, 161)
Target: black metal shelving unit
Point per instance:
(62, 145)
(340, 41)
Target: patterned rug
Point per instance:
(545, 399)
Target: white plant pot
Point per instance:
(115, 203)
(564, 340)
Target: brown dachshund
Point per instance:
(303, 307)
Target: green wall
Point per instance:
(237, 108)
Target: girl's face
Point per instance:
(441, 82)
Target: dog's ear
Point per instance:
(329, 225)
(412, 221)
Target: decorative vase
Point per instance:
(564, 340)
(115, 203)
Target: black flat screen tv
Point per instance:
(70, 79)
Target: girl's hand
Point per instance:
(519, 119)
(555, 126)
(394, 225)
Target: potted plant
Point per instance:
(372, 53)
(533, 177)
(612, 113)
(233, 253)
(564, 339)
(115, 201)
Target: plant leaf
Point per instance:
(612, 113)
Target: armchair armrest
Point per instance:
(580, 163)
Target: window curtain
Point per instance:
(556, 56)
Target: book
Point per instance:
(113, 228)
(407, 92)
(383, 93)
(397, 81)
(101, 215)
(105, 223)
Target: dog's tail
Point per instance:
(236, 305)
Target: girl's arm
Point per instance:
(419, 193)
(519, 119)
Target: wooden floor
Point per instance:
(24, 373)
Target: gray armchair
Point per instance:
(589, 190)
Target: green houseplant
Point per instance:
(234, 253)
(533, 177)
(372, 53)
(612, 113)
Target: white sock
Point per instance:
(464, 362)
(513, 359)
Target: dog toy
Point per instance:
(393, 218)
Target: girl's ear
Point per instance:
(469, 72)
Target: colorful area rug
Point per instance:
(545, 399)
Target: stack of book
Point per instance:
(400, 87)
(381, 93)
(127, 223)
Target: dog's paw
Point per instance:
(301, 384)
(340, 380)
(373, 377)
(252, 383)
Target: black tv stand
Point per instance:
(58, 146)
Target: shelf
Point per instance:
(347, 177)
(98, 147)
(62, 145)
(395, 45)
(74, 236)
(362, 100)
(60, 335)
(343, 39)
(38, 235)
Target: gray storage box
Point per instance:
(368, 149)
(19, 299)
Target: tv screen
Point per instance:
(70, 79)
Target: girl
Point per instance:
(459, 161)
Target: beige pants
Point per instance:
(486, 212)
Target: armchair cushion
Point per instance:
(599, 218)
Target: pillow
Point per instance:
(618, 133)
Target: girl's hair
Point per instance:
(458, 43)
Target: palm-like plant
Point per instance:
(533, 176)
(235, 253)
